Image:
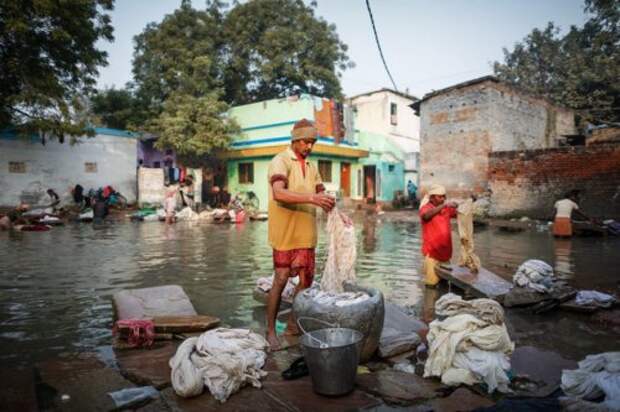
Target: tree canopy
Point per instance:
(49, 61)
(579, 70)
(192, 66)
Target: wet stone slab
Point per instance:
(542, 368)
(461, 399)
(247, 399)
(398, 387)
(147, 366)
(85, 380)
(17, 392)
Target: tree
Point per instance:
(579, 70)
(196, 63)
(48, 60)
(276, 48)
(117, 108)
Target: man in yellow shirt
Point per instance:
(295, 190)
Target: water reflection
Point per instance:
(56, 286)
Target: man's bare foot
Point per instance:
(274, 343)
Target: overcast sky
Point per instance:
(428, 44)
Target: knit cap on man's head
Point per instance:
(304, 129)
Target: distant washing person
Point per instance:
(564, 211)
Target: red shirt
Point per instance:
(437, 233)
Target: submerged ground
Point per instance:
(56, 286)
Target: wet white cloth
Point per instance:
(465, 222)
(597, 375)
(341, 253)
(471, 345)
(339, 299)
(594, 298)
(534, 274)
(222, 359)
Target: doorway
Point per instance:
(345, 179)
(369, 184)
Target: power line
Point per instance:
(374, 29)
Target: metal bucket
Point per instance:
(332, 356)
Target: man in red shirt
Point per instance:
(435, 215)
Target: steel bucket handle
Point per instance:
(322, 344)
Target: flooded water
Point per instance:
(56, 287)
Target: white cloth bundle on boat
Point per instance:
(597, 375)
(594, 298)
(222, 359)
(186, 214)
(471, 345)
(341, 253)
(534, 274)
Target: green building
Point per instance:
(353, 164)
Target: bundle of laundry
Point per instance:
(341, 253)
(594, 298)
(597, 375)
(187, 214)
(266, 283)
(222, 359)
(534, 274)
(471, 345)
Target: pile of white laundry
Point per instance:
(222, 359)
(534, 274)
(471, 345)
(597, 375)
(341, 253)
(594, 298)
(186, 214)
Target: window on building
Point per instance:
(90, 167)
(325, 170)
(393, 114)
(157, 165)
(246, 172)
(390, 168)
(17, 167)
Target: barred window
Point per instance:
(246, 172)
(17, 167)
(90, 167)
(325, 170)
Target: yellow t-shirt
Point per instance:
(292, 226)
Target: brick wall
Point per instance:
(527, 183)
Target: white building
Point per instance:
(388, 112)
(28, 167)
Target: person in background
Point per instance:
(100, 208)
(14, 217)
(412, 191)
(564, 210)
(54, 198)
(435, 215)
(187, 193)
(170, 205)
(295, 190)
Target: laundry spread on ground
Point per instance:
(598, 375)
(534, 274)
(594, 298)
(222, 359)
(341, 253)
(471, 345)
(465, 222)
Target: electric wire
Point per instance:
(374, 29)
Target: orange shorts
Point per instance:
(299, 261)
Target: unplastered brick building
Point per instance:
(460, 126)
